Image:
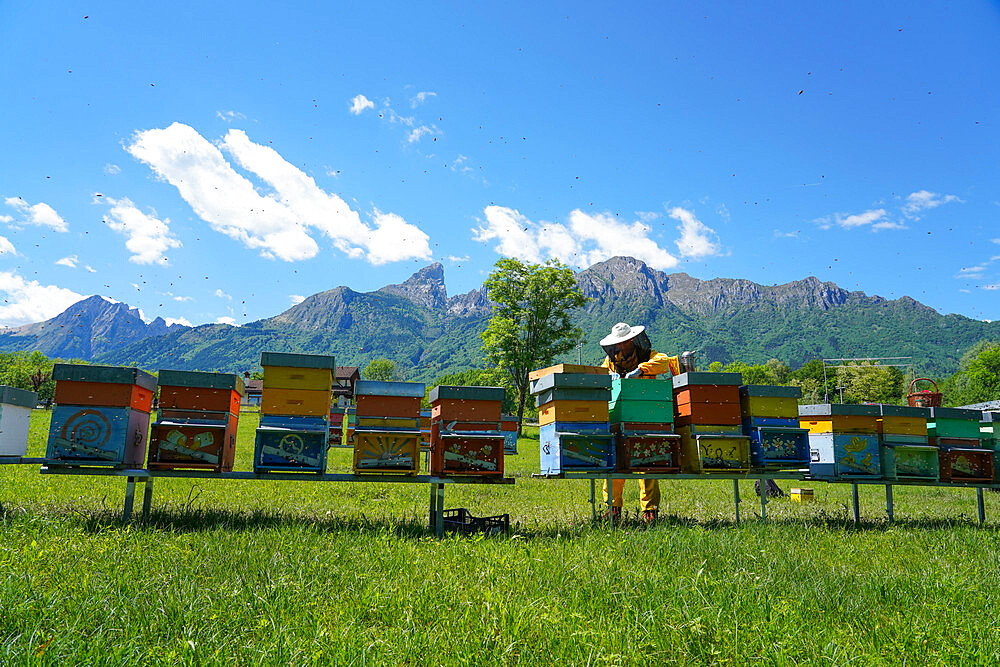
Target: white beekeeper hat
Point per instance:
(620, 333)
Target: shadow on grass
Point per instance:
(195, 520)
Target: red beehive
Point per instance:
(465, 431)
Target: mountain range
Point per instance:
(429, 333)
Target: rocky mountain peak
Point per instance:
(424, 288)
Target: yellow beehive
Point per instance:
(295, 402)
(573, 411)
(802, 495)
(769, 407)
(839, 424)
(290, 377)
(904, 425)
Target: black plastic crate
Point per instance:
(461, 521)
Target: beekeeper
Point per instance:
(631, 355)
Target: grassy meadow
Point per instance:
(252, 572)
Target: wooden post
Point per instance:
(433, 508)
(854, 498)
(888, 502)
(593, 500)
(439, 528)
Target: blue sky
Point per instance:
(216, 163)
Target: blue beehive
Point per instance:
(103, 436)
(843, 440)
(287, 443)
(576, 447)
(770, 419)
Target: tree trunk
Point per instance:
(522, 395)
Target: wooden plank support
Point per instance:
(888, 502)
(854, 499)
(593, 500)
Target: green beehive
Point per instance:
(954, 423)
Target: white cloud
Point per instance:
(417, 132)
(586, 240)
(997, 241)
(888, 224)
(70, 261)
(222, 295)
(171, 321)
(971, 271)
(778, 234)
(229, 116)
(27, 301)
(421, 97)
(296, 299)
(6, 247)
(697, 239)
(182, 299)
(359, 103)
(457, 260)
(6, 218)
(231, 321)
(921, 200)
(38, 214)
(992, 286)
(861, 219)
(112, 169)
(277, 224)
(90, 268)
(148, 237)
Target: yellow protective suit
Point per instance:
(649, 490)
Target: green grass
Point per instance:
(253, 572)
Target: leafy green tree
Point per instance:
(751, 374)
(715, 367)
(976, 380)
(778, 371)
(531, 325)
(383, 370)
(868, 382)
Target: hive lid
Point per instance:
(567, 368)
(109, 374)
(955, 413)
(295, 360)
(445, 391)
(904, 411)
(706, 377)
(15, 396)
(378, 388)
(831, 409)
(571, 381)
(770, 391)
(202, 379)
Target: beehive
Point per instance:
(294, 430)
(465, 430)
(576, 447)
(15, 418)
(990, 436)
(708, 419)
(801, 495)
(387, 435)
(641, 414)
(573, 432)
(508, 425)
(198, 421)
(963, 455)
(905, 448)
(108, 422)
(843, 440)
(770, 419)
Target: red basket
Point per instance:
(925, 398)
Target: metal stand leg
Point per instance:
(433, 509)
(147, 499)
(736, 498)
(129, 498)
(982, 505)
(611, 502)
(763, 500)
(888, 502)
(593, 500)
(439, 526)
(854, 498)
